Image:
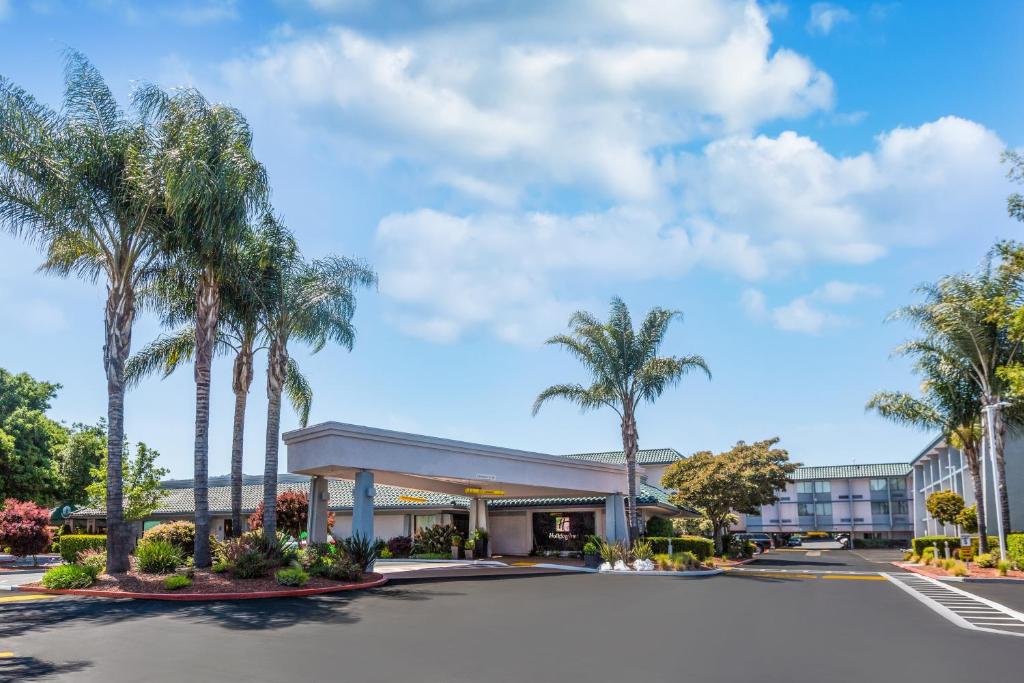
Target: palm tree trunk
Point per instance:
(277, 372)
(241, 380)
(630, 446)
(118, 318)
(974, 465)
(207, 313)
(1000, 452)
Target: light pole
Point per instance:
(989, 412)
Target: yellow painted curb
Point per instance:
(26, 597)
(6, 655)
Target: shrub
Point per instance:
(1003, 567)
(431, 556)
(386, 554)
(293, 576)
(435, 539)
(922, 542)
(698, 545)
(219, 567)
(1015, 549)
(642, 550)
(993, 544)
(292, 513)
(68, 576)
(24, 528)
(177, 581)
(72, 544)
(94, 560)
(400, 546)
(591, 548)
(157, 557)
(908, 556)
(360, 550)
(928, 555)
(182, 535)
(958, 569)
(250, 564)
(659, 526)
(986, 561)
(740, 548)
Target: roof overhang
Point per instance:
(337, 450)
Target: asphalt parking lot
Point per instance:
(736, 627)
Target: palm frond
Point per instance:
(165, 354)
(299, 392)
(587, 398)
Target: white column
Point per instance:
(319, 502)
(362, 504)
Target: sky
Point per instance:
(783, 173)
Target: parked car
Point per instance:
(763, 542)
(794, 542)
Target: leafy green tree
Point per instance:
(212, 183)
(968, 520)
(75, 460)
(950, 403)
(739, 480)
(80, 184)
(625, 371)
(28, 438)
(142, 492)
(945, 506)
(308, 301)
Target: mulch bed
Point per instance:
(206, 583)
(974, 572)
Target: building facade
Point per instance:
(865, 501)
(941, 467)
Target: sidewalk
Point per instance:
(417, 570)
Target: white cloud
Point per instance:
(798, 204)
(825, 16)
(808, 313)
(576, 94)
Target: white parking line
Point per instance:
(964, 609)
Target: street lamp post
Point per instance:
(989, 415)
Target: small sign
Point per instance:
(412, 499)
(486, 477)
(965, 540)
(484, 492)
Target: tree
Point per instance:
(968, 521)
(212, 183)
(292, 513)
(80, 184)
(625, 371)
(964, 318)
(309, 301)
(950, 403)
(739, 480)
(29, 439)
(240, 333)
(945, 506)
(74, 461)
(141, 476)
(24, 528)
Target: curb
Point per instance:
(655, 572)
(206, 597)
(958, 579)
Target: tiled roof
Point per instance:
(885, 469)
(180, 501)
(645, 456)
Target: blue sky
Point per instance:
(783, 173)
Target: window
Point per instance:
(823, 487)
(805, 509)
(879, 507)
(900, 507)
(804, 487)
(823, 509)
(878, 485)
(897, 484)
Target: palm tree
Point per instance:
(962, 324)
(625, 370)
(81, 184)
(950, 403)
(309, 301)
(211, 185)
(239, 332)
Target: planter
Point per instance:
(592, 561)
(469, 554)
(455, 552)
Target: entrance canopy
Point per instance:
(340, 451)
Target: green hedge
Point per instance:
(72, 544)
(923, 542)
(702, 547)
(993, 542)
(1015, 549)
